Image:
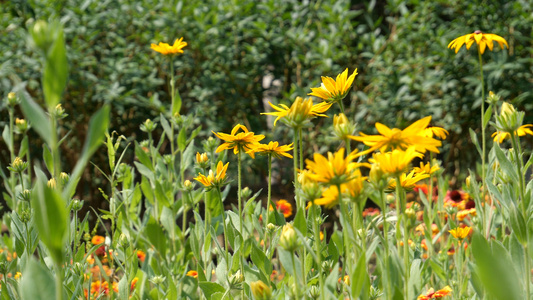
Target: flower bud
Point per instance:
(12, 99)
(342, 127)
(467, 181)
(187, 185)
(59, 112)
(25, 216)
(18, 165)
(77, 205)
(260, 290)
(63, 178)
(157, 280)
(288, 239)
(271, 228)
(246, 193)
(21, 125)
(390, 198)
(236, 280)
(493, 98)
(314, 293)
(210, 144)
(148, 126)
(25, 195)
(168, 158)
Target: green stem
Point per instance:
(483, 143)
(59, 282)
(345, 226)
(295, 167)
(316, 229)
(226, 244)
(296, 285)
(269, 193)
(341, 106)
(301, 159)
(241, 217)
(528, 271)
(399, 212)
(385, 242)
(348, 146)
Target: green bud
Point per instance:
(289, 239)
(12, 99)
(148, 126)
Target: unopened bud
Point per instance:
(260, 290)
(246, 193)
(59, 112)
(148, 126)
(288, 239)
(21, 125)
(157, 280)
(314, 292)
(77, 205)
(12, 99)
(18, 165)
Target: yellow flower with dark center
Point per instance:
(214, 180)
(242, 141)
(460, 233)
(427, 168)
(483, 40)
(400, 139)
(273, 148)
(500, 136)
(300, 111)
(408, 181)
(166, 49)
(335, 169)
(396, 161)
(334, 90)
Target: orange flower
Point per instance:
(431, 294)
(97, 240)
(192, 273)
(371, 211)
(141, 255)
(284, 207)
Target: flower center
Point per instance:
(477, 32)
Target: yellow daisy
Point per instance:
(483, 40)
(427, 168)
(166, 49)
(400, 139)
(500, 136)
(335, 169)
(300, 111)
(334, 90)
(460, 232)
(212, 179)
(274, 149)
(244, 141)
(396, 161)
(408, 181)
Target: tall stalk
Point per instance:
(269, 193)
(316, 229)
(400, 202)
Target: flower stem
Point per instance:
(269, 193)
(385, 241)
(295, 167)
(226, 247)
(486, 223)
(399, 209)
(241, 218)
(345, 226)
(316, 229)
(295, 277)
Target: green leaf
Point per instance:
(299, 222)
(505, 164)
(37, 282)
(261, 260)
(39, 120)
(48, 159)
(143, 157)
(182, 139)
(473, 137)
(209, 288)
(50, 217)
(7, 138)
(486, 116)
(166, 127)
(518, 224)
(55, 71)
(177, 103)
(494, 269)
(156, 236)
(97, 128)
(24, 146)
(360, 280)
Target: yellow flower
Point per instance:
(336, 169)
(166, 49)
(431, 131)
(400, 139)
(201, 157)
(395, 162)
(212, 180)
(355, 187)
(483, 40)
(244, 141)
(273, 148)
(427, 168)
(408, 181)
(460, 232)
(300, 111)
(330, 197)
(334, 90)
(500, 136)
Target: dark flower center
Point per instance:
(477, 32)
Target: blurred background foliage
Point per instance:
(242, 53)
